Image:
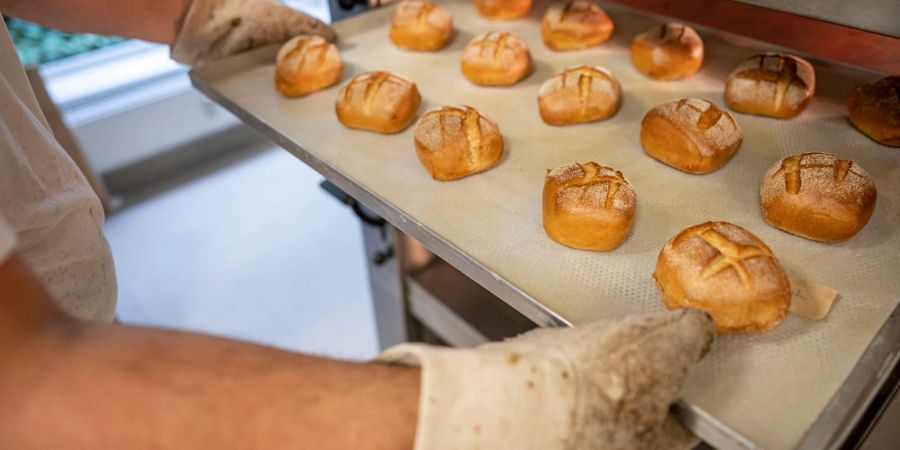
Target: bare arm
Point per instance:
(150, 20)
(199, 31)
(67, 384)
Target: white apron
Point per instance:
(46, 203)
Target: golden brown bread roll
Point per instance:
(306, 64)
(496, 59)
(577, 24)
(378, 101)
(588, 206)
(420, 25)
(875, 109)
(669, 51)
(455, 141)
(771, 84)
(502, 9)
(725, 270)
(579, 94)
(818, 196)
(690, 134)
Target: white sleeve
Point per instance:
(7, 240)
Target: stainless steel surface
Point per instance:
(885, 434)
(878, 16)
(484, 312)
(754, 383)
(440, 319)
(844, 411)
(713, 432)
(388, 299)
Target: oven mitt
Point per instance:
(605, 385)
(213, 29)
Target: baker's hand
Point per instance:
(606, 385)
(213, 29)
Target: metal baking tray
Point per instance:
(802, 384)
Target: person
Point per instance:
(71, 379)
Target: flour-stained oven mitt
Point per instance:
(606, 385)
(213, 29)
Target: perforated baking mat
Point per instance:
(769, 387)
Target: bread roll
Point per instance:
(305, 64)
(690, 134)
(579, 94)
(420, 25)
(725, 270)
(771, 84)
(496, 59)
(455, 141)
(502, 9)
(588, 206)
(818, 196)
(875, 110)
(578, 24)
(669, 51)
(378, 101)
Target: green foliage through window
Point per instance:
(37, 45)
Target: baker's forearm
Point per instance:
(151, 20)
(126, 387)
(67, 384)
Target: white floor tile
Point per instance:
(255, 250)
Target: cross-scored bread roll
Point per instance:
(771, 84)
(669, 51)
(874, 109)
(579, 94)
(305, 64)
(420, 25)
(496, 59)
(588, 206)
(502, 9)
(577, 24)
(725, 270)
(378, 101)
(455, 141)
(690, 134)
(818, 196)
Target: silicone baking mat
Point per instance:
(771, 386)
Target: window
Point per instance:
(38, 45)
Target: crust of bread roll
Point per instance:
(588, 206)
(726, 271)
(496, 59)
(420, 25)
(667, 52)
(771, 84)
(455, 141)
(579, 94)
(818, 196)
(575, 25)
(378, 101)
(305, 64)
(502, 9)
(692, 135)
(874, 109)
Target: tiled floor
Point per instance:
(251, 248)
